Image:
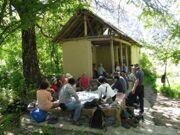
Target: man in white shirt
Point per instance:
(105, 90)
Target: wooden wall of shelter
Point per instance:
(87, 39)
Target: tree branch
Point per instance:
(42, 32)
(11, 28)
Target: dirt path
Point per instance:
(165, 111)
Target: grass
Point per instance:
(172, 91)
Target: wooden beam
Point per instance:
(121, 53)
(85, 25)
(127, 63)
(66, 28)
(75, 31)
(91, 38)
(122, 41)
(89, 26)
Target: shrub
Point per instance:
(170, 92)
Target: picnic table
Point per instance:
(112, 110)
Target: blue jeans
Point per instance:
(76, 107)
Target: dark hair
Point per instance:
(116, 77)
(102, 80)
(72, 81)
(44, 84)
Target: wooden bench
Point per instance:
(109, 111)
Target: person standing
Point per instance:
(138, 88)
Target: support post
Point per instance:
(112, 54)
(121, 54)
(127, 59)
(85, 25)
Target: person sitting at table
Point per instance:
(54, 88)
(44, 97)
(120, 84)
(105, 90)
(84, 82)
(65, 97)
(101, 71)
(95, 73)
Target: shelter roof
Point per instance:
(95, 26)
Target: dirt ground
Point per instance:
(162, 117)
(165, 111)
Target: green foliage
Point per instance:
(165, 39)
(48, 17)
(149, 73)
(10, 122)
(175, 56)
(170, 92)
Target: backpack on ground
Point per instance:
(91, 104)
(38, 115)
(132, 100)
(97, 120)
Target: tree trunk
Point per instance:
(31, 69)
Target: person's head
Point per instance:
(133, 68)
(101, 80)
(116, 74)
(101, 65)
(83, 75)
(54, 80)
(44, 84)
(136, 66)
(68, 76)
(116, 77)
(72, 81)
(123, 73)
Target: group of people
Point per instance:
(59, 94)
(63, 88)
(100, 70)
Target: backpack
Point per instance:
(38, 115)
(97, 120)
(132, 100)
(91, 104)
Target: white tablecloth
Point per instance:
(85, 96)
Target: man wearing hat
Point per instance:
(138, 88)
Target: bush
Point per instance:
(170, 92)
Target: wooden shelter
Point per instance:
(87, 39)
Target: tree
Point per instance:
(25, 15)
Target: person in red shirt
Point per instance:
(54, 87)
(84, 82)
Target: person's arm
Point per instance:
(114, 85)
(136, 83)
(99, 92)
(50, 98)
(73, 93)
